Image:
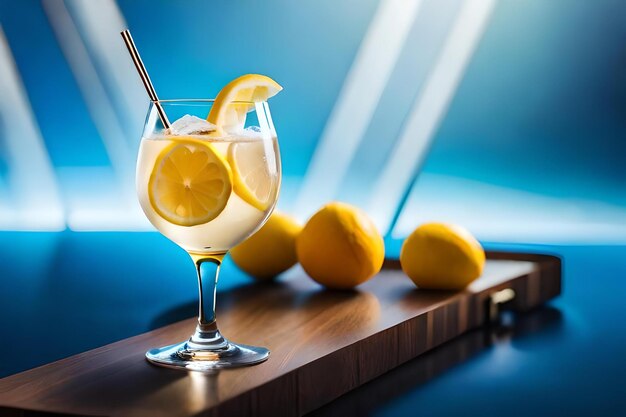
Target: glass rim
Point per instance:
(191, 101)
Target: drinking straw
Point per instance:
(145, 78)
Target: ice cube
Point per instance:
(252, 132)
(191, 125)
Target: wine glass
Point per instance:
(207, 190)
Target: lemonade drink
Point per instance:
(207, 182)
(210, 233)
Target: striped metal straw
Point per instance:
(145, 78)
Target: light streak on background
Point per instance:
(423, 45)
(394, 183)
(103, 199)
(99, 24)
(356, 103)
(34, 203)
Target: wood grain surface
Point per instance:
(323, 344)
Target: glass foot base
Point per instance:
(179, 356)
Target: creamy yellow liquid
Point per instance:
(235, 223)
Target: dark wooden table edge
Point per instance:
(532, 296)
(550, 266)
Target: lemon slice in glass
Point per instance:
(252, 180)
(227, 115)
(190, 183)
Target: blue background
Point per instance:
(540, 110)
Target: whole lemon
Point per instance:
(271, 250)
(442, 256)
(340, 247)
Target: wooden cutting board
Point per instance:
(323, 344)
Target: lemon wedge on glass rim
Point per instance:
(251, 179)
(250, 88)
(190, 183)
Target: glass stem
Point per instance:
(208, 273)
(207, 335)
